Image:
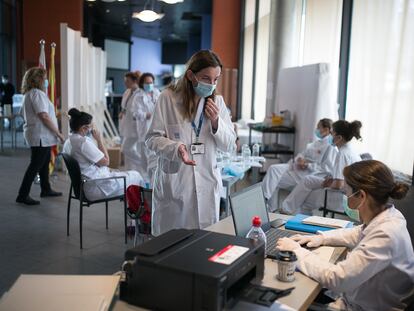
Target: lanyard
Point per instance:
(197, 130)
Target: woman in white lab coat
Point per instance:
(128, 122)
(301, 199)
(189, 124)
(93, 159)
(378, 272)
(318, 159)
(145, 105)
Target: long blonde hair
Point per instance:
(33, 79)
(199, 61)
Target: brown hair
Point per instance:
(33, 79)
(347, 130)
(134, 76)
(375, 178)
(326, 123)
(199, 61)
(142, 78)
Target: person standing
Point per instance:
(189, 124)
(7, 91)
(41, 132)
(128, 122)
(145, 102)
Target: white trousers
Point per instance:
(130, 151)
(305, 197)
(277, 177)
(93, 193)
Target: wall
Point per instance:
(226, 31)
(146, 56)
(41, 20)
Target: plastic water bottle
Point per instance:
(256, 150)
(246, 153)
(256, 232)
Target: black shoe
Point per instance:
(27, 200)
(50, 193)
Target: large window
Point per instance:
(381, 79)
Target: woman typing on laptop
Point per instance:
(378, 273)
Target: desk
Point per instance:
(305, 290)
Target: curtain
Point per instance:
(381, 80)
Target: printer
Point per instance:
(190, 270)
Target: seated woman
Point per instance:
(93, 159)
(300, 199)
(318, 159)
(378, 273)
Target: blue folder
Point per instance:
(295, 223)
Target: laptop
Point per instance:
(244, 206)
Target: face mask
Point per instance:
(352, 213)
(46, 84)
(331, 140)
(204, 89)
(148, 87)
(318, 134)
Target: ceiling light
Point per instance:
(147, 16)
(172, 1)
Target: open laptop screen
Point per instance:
(245, 205)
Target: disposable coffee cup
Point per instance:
(286, 265)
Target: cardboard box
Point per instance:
(114, 157)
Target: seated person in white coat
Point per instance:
(128, 122)
(378, 272)
(318, 159)
(145, 105)
(93, 159)
(308, 194)
(189, 124)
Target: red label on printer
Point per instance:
(229, 254)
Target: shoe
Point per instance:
(50, 193)
(27, 200)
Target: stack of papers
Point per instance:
(299, 223)
(326, 222)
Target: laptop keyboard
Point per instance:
(272, 236)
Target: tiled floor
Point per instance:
(33, 239)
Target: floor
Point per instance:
(33, 239)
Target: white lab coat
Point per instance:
(378, 272)
(145, 103)
(185, 196)
(128, 129)
(308, 194)
(84, 150)
(321, 156)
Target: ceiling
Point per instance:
(114, 19)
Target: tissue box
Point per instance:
(114, 156)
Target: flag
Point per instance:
(52, 97)
(42, 56)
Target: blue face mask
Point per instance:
(331, 140)
(204, 89)
(46, 84)
(352, 213)
(318, 134)
(148, 87)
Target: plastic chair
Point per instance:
(76, 192)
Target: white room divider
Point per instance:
(83, 75)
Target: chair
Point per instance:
(76, 192)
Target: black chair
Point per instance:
(77, 184)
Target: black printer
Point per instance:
(190, 270)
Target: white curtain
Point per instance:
(381, 79)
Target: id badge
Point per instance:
(197, 148)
